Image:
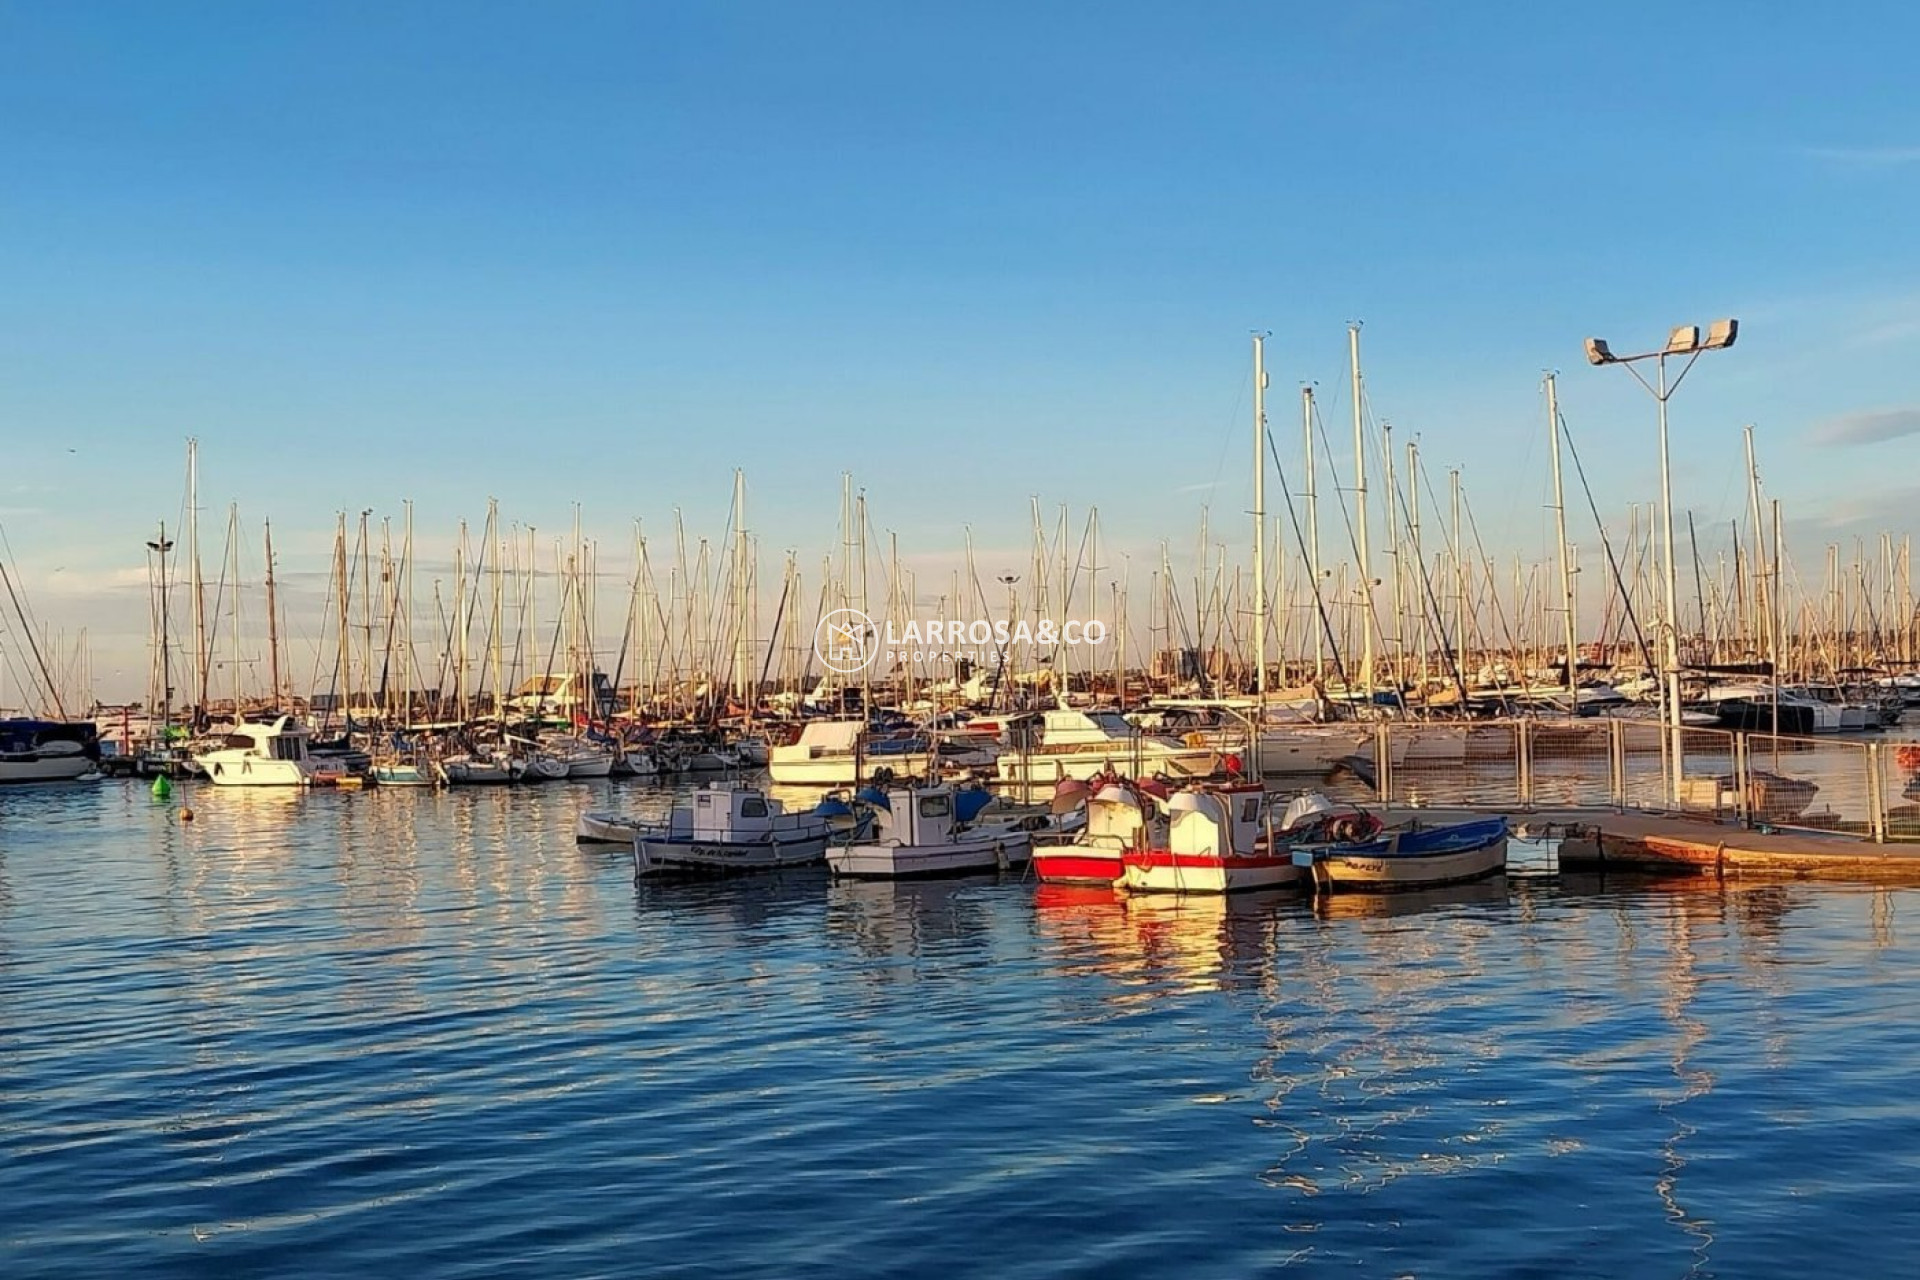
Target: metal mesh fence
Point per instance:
(1900, 789)
(1817, 783)
(1571, 763)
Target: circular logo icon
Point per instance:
(846, 641)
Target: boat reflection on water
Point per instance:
(1165, 944)
(1410, 902)
(911, 919)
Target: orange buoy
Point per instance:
(186, 814)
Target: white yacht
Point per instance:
(840, 753)
(1069, 743)
(260, 755)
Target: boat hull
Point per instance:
(254, 772)
(844, 771)
(1076, 864)
(964, 856)
(478, 773)
(1410, 860)
(1160, 871)
(1050, 767)
(38, 768)
(605, 828)
(653, 856)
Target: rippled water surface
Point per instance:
(426, 1035)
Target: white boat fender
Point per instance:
(1000, 854)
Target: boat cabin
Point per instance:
(1216, 822)
(725, 813)
(915, 816)
(1117, 816)
(281, 740)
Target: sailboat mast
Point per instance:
(273, 626)
(198, 588)
(233, 541)
(346, 631)
(742, 654)
(1259, 516)
(1313, 530)
(1360, 511)
(1560, 533)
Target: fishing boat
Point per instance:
(47, 750)
(1219, 840)
(724, 829)
(1120, 815)
(1417, 856)
(918, 832)
(261, 755)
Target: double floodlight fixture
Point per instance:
(1685, 340)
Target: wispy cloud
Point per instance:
(1870, 427)
(1864, 157)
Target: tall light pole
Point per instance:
(1685, 340)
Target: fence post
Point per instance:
(1876, 797)
(1383, 762)
(1523, 759)
(1617, 762)
(1742, 783)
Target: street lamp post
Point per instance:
(1685, 340)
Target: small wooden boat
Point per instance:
(1410, 857)
(917, 833)
(1219, 840)
(725, 829)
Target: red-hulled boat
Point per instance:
(1121, 815)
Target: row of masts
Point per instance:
(1445, 614)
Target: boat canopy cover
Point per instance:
(1304, 806)
(875, 797)
(968, 802)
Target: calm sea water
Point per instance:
(427, 1036)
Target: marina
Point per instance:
(1007, 641)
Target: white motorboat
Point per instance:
(841, 753)
(1071, 743)
(261, 755)
(916, 833)
(724, 829)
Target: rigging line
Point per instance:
(1319, 604)
(1493, 592)
(1606, 543)
(33, 643)
(1437, 615)
(1346, 518)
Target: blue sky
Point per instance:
(604, 253)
